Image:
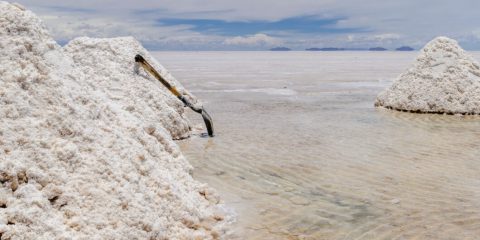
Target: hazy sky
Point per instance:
(262, 24)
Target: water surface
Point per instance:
(301, 153)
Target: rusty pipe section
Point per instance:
(206, 117)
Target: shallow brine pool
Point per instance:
(301, 153)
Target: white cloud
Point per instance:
(387, 36)
(476, 34)
(178, 37)
(410, 22)
(258, 39)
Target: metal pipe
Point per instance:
(206, 117)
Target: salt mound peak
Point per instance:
(443, 79)
(107, 64)
(87, 156)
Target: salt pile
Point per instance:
(86, 143)
(107, 65)
(443, 79)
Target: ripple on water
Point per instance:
(331, 166)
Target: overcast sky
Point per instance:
(262, 24)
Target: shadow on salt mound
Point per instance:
(443, 79)
(109, 65)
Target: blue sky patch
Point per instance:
(71, 9)
(304, 24)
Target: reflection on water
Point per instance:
(323, 163)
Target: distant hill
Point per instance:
(325, 49)
(280, 49)
(356, 49)
(404, 48)
(377, 49)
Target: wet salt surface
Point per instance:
(323, 163)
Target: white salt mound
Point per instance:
(86, 149)
(443, 79)
(108, 66)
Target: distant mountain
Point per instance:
(280, 49)
(377, 49)
(356, 49)
(404, 48)
(325, 49)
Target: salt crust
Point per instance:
(443, 79)
(86, 149)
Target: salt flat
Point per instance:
(301, 152)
